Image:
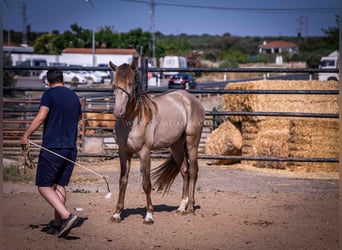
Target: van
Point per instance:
(329, 62)
(174, 62)
(35, 62)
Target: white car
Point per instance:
(74, 77)
(68, 76)
(93, 76)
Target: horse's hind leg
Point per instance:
(178, 152)
(125, 165)
(192, 150)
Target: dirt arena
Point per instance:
(237, 207)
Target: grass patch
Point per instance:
(11, 173)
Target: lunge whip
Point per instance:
(107, 196)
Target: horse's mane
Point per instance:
(140, 103)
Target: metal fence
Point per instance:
(19, 113)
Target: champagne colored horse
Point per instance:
(143, 123)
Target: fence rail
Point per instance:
(19, 115)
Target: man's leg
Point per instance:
(60, 190)
(54, 199)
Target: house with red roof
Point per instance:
(278, 47)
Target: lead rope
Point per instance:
(77, 164)
(28, 163)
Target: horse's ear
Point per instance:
(134, 65)
(112, 66)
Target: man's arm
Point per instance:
(37, 121)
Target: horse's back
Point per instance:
(180, 103)
(178, 99)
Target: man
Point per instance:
(60, 112)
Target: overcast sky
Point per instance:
(214, 17)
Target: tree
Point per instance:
(108, 37)
(332, 35)
(45, 44)
(138, 40)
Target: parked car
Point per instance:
(182, 81)
(92, 76)
(68, 76)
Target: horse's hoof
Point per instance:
(148, 222)
(114, 220)
(191, 211)
(181, 212)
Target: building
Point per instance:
(84, 56)
(278, 47)
(72, 56)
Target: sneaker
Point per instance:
(67, 225)
(50, 228)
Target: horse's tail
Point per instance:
(164, 175)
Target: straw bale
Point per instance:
(287, 136)
(281, 103)
(225, 140)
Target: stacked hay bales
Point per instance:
(225, 140)
(286, 136)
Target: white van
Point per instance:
(174, 62)
(329, 62)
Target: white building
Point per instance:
(84, 56)
(73, 56)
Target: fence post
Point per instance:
(83, 122)
(144, 73)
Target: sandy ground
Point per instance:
(237, 207)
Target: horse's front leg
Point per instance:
(146, 183)
(125, 165)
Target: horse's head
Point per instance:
(124, 85)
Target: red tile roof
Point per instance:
(100, 51)
(278, 44)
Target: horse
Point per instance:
(143, 123)
(104, 120)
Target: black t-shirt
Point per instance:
(61, 124)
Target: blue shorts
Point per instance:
(53, 169)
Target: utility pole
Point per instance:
(302, 26)
(152, 30)
(24, 41)
(8, 28)
(93, 32)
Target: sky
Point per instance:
(192, 17)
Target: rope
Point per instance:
(77, 164)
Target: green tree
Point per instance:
(332, 35)
(108, 37)
(44, 45)
(139, 40)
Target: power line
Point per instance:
(242, 9)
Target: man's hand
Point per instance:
(24, 140)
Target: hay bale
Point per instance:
(286, 136)
(225, 140)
